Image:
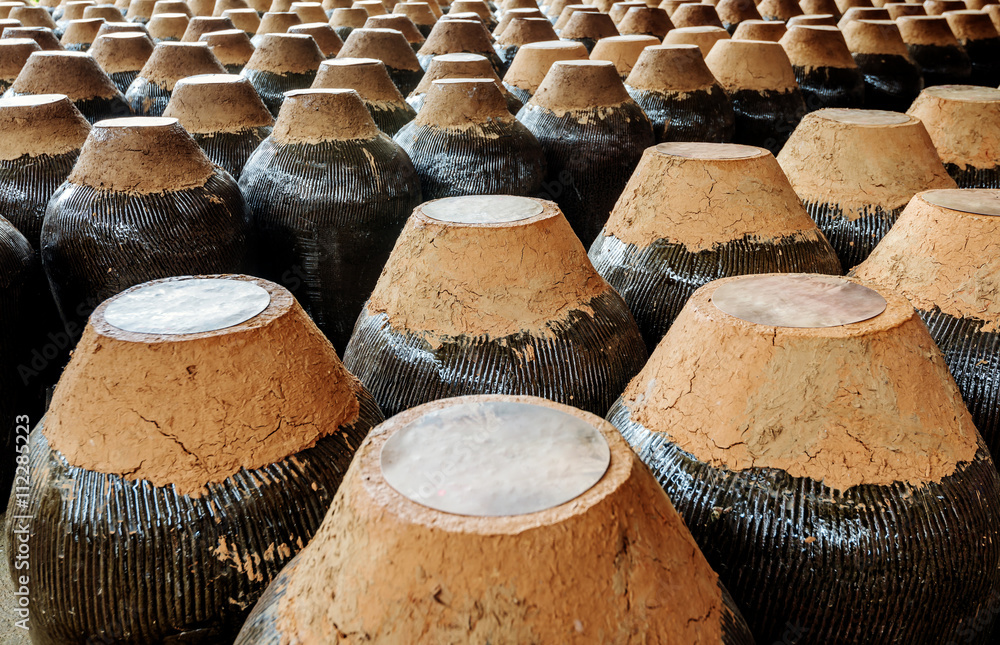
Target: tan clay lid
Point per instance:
(371, 7)
(74, 10)
(340, 581)
(330, 5)
(202, 25)
(366, 76)
(813, 47)
(938, 7)
(871, 37)
(751, 65)
(309, 11)
(736, 11)
(14, 53)
(529, 273)
(767, 30)
(861, 158)
(704, 37)
(692, 14)
(244, 19)
(81, 31)
(231, 47)
(201, 7)
(463, 103)
(942, 252)
(971, 25)
(619, 9)
(171, 62)
(41, 35)
(844, 5)
(475, 6)
(533, 61)
(798, 408)
(188, 406)
(315, 116)
(326, 38)
(863, 13)
(42, 124)
(277, 22)
(217, 103)
(451, 36)
(7, 7)
(221, 6)
(779, 9)
(107, 12)
(594, 26)
(580, 85)
(279, 6)
(703, 195)
(418, 12)
(123, 28)
(521, 31)
(926, 30)
(355, 18)
(400, 23)
(139, 9)
(387, 45)
(671, 68)
(122, 52)
(898, 9)
(456, 66)
(172, 6)
(622, 51)
(167, 25)
(645, 20)
(568, 12)
(821, 7)
(32, 17)
(286, 54)
(74, 74)
(963, 121)
(813, 20)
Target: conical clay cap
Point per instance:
(568, 12)
(123, 52)
(244, 19)
(42, 35)
(733, 12)
(900, 9)
(14, 53)
(172, 6)
(622, 51)
(813, 47)
(454, 36)
(167, 26)
(548, 555)
(230, 47)
(201, 7)
(44, 124)
(366, 76)
(316, 116)
(861, 158)
(171, 62)
(766, 30)
(533, 61)
(222, 6)
(123, 27)
(702, 195)
(187, 405)
(522, 31)
(456, 66)
(32, 17)
(879, 38)
(140, 10)
(277, 22)
(649, 21)
(354, 18)
(963, 121)
(939, 7)
(671, 68)
(971, 26)
(762, 371)
(463, 103)
(826, 19)
(751, 65)
(216, 103)
(73, 10)
(779, 9)
(593, 26)
(309, 11)
(704, 37)
(326, 38)
(106, 12)
(863, 13)
(286, 54)
(74, 74)
(572, 86)
(202, 25)
(926, 30)
(619, 9)
(692, 14)
(419, 13)
(81, 32)
(400, 23)
(821, 7)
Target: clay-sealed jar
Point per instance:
(568, 12)
(122, 56)
(369, 78)
(402, 24)
(79, 34)
(464, 141)
(808, 432)
(459, 66)
(697, 212)
(275, 22)
(622, 51)
(683, 101)
(75, 74)
(978, 36)
(855, 171)
(329, 194)
(825, 10)
(225, 116)
(933, 46)
(863, 13)
(760, 82)
(645, 21)
(824, 68)
(199, 7)
(203, 25)
(121, 27)
(940, 256)
(532, 63)
(459, 37)
(345, 20)
(897, 9)
(733, 12)
(142, 202)
(587, 28)
(592, 134)
(964, 124)
(69, 11)
(107, 12)
(167, 27)
(150, 92)
(619, 9)
(176, 461)
(35, 16)
(696, 14)
(222, 6)
(504, 301)
(326, 38)
(419, 13)
(767, 30)
(232, 48)
(553, 552)
(282, 63)
(704, 37)
(783, 10)
(892, 78)
(245, 20)
(46, 40)
(390, 47)
(309, 11)
(14, 53)
(519, 32)
(139, 11)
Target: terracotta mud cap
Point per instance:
(779, 9)
(568, 12)
(693, 14)
(46, 40)
(671, 68)
(222, 6)
(371, 7)
(32, 17)
(704, 37)
(594, 26)
(315, 116)
(286, 54)
(277, 22)
(844, 5)
(204, 24)
(971, 25)
(767, 30)
(939, 7)
(926, 30)
(701, 195)
(172, 6)
(431, 287)
(371, 521)
(533, 61)
(822, 7)
(812, 47)
(107, 12)
(622, 51)
(122, 28)
(860, 158)
(900, 9)
(245, 20)
(576, 85)
(400, 23)
(7, 7)
(171, 62)
(354, 17)
(863, 13)
(14, 53)
(619, 9)
(122, 52)
(215, 103)
(230, 47)
(5, 23)
(43, 124)
(449, 36)
(521, 31)
(74, 74)
(878, 38)
(140, 10)
(462, 103)
(418, 12)
(167, 26)
(330, 5)
(81, 31)
(751, 65)
(366, 76)
(279, 6)
(326, 38)
(810, 20)
(459, 65)
(200, 7)
(387, 45)
(909, 426)
(645, 20)
(963, 121)
(475, 6)
(940, 253)
(309, 11)
(213, 374)
(736, 11)
(74, 10)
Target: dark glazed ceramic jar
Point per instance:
(150, 92)
(532, 63)
(282, 63)
(978, 36)
(892, 78)
(231, 47)
(935, 49)
(824, 68)
(122, 56)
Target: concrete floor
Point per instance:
(9, 635)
